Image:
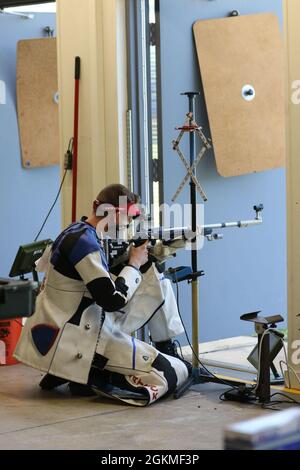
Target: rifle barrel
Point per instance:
(160, 233)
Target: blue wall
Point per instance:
(247, 270)
(26, 195)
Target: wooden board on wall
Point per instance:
(37, 85)
(248, 136)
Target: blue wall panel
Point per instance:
(25, 195)
(247, 270)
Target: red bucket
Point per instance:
(10, 331)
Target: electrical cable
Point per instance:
(222, 396)
(250, 391)
(211, 374)
(53, 205)
(289, 367)
(282, 373)
(290, 400)
(267, 406)
(288, 370)
(69, 152)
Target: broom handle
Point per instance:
(75, 152)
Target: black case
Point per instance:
(17, 299)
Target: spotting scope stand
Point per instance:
(265, 352)
(199, 374)
(185, 273)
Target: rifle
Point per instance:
(173, 237)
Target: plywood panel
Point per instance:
(37, 85)
(248, 136)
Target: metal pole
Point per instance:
(263, 391)
(193, 201)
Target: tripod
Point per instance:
(199, 375)
(263, 325)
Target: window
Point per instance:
(144, 102)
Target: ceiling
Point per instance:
(17, 3)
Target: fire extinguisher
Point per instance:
(10, 331)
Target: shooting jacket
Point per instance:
(62, 336)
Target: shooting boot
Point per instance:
(169, 347)
(97, 379)
(49, 382)
(81, 390)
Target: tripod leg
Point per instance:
(278, 379)
(195, 322)
(184, 387)
(274, 370)
(264, 389)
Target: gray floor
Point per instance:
(33, 419)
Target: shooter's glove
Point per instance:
(163, 252)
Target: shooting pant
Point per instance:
(144, 368)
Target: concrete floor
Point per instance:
(33, 419)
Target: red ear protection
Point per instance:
(132, 209)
